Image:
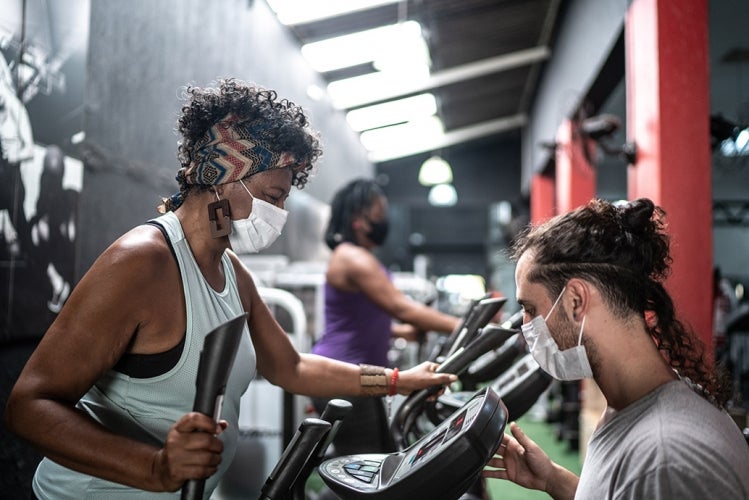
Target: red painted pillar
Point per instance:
(668, 107)
(542, 198)
(575, 178)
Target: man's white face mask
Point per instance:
(260, 229)
(570, 364)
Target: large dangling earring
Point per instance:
(219, 226)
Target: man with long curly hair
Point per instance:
(591, 286)
(107, 395)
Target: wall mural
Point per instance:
(43, 47)
(42, 73)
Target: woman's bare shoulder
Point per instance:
(138, 258)
(143, 245)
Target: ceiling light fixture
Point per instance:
(346, 99)
(443, 195)
(393, 112)
(435, 170)
(446, 139)
(403, 136)
(395, 47)
(738, 145)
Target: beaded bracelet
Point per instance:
(391, 392)
(394, 380)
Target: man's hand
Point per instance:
(520, 460)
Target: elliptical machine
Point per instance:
(443, 462)
(510, 370)
(447, 460)
(498, 352)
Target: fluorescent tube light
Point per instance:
(393, 112)
(403, 136)
(395, 45)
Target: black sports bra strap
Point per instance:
(166, 236)
(152, 365)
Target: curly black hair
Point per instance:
(286, 127)
(624, 250)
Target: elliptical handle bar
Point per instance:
(405, 416)
(296, 455)
(491, 337)
(334, 413)
(514, 321)
(447, 342)
(481, 314)
(216, 360)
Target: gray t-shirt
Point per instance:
(670, 444)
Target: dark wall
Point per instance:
(729, 98)
(455, 239)
(141, 53)
(487, 171)
(589, 30)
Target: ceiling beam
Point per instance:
(453, 75)
(453, 137)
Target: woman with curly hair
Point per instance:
(591, 286)
(107, 395)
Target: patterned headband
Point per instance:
(229, 151)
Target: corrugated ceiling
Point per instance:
(487, 55)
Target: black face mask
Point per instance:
(379, 231)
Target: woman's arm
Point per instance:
(406, 331)
(280, 363)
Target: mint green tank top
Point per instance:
(145, 408)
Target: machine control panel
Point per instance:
(439, 465)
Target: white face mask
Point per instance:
(570, 364)
(260, 229)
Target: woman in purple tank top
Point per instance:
(360, 305)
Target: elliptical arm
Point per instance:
(288, 469)
(407, 412)
(216, 360)
(494, 363)
(514, 321)
(446, 342)
(481, 314)
(334, 413)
